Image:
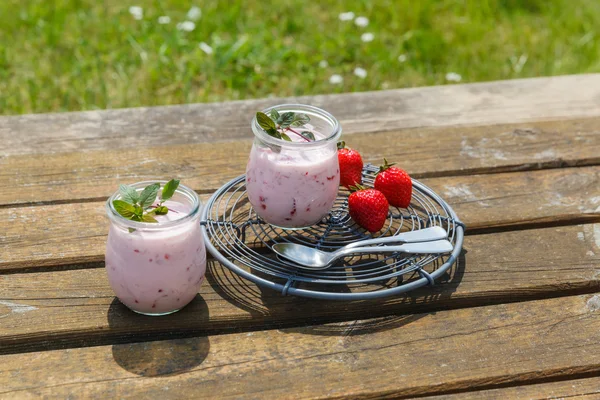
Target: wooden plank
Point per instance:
(516, 101)
(66, 234)
(400, 356)
(513, 200)
(581, 389)
(428, 152)
(77, 307)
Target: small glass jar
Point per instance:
(293, 185)
(157, 268)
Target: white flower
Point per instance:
(195, 13)
(323, 64)
(187, 26)
(518, 63)
(360, 72)
(346, 16)
(367, 37)
(402, 58)
(165, 19)
(453, 77)
(361, 21)
(137, 12)
(336, 79)
(205, 48)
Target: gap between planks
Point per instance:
(583, 386)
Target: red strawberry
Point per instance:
(368, 208)
(351, 165)
(395, 184)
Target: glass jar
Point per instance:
(157, 268)
(294, 184)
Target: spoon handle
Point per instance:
(420, 235)
(435, 247)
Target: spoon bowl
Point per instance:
(314, 259)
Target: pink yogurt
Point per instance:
(157, 270)
(293, 188)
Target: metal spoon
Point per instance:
(419, 235)
(311, 258)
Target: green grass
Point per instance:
(60, 55)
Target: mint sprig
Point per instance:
(148, 195)
(124, 208)
(308, 135)
(136, 206)
(129, 194)
(277, 125)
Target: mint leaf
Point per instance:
(308, 135)
(133, 205)
(124, 208)
(285, 119)
(274, 114)
(169, 189)
(265, 122)
(300, 119)
(274, 133)
(149, 218)
(148, 195)
(128, 194)
(276, 125)
(161, 210)
(138, 210)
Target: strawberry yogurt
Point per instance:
(158, 268)
(295, 184)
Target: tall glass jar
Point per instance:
(157, 268)
(294, 184)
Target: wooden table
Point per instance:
(519, 161)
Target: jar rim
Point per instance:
(335, 134)
(117, 218)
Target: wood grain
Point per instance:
(518, 200)
(427, 152)
(399, 356)
(474, 338)
(580, 389)
(514, 101)
(67, 234)
(77, 307)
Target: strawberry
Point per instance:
(395, 184)
(351, 165)
(368, 208)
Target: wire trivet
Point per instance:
(241, 241)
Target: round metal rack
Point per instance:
(242, 242)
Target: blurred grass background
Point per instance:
(65, 55)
